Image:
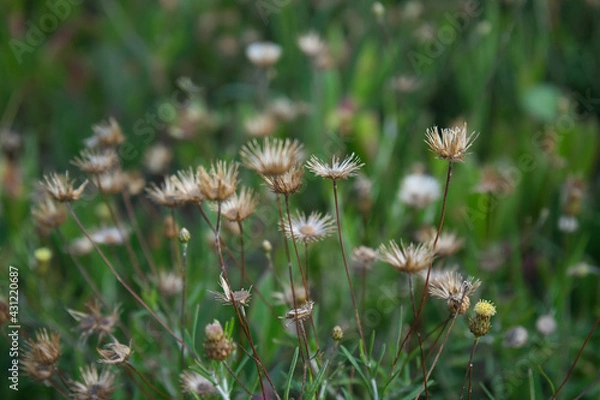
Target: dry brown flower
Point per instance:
(61, 188)
(48, 215)
(409, 259)
(364, 257)
(260, 125)
(194, 383)
(135, 182)
(45, 349)
(494, 181)
(337, 169)
(94, 386)
(187, 186)
(169, 283)
(216, 344)
(93, 321)
(219, 182)
(229, 297)
(273, 157)
(451, 286)
(115, 353)
(310, 229)
(110, 182)
(239, 206)
(106, 134)
(96, 161)
(157, 158)
(287, 183)
(451, 143)
(167, 195)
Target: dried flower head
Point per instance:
(134, 182)
(364, 257)
(409, 259)
(115, 353)
(167, 195)
(451, 143)
(238, 298)
(93, 321)
(239, 206)
(94, 386)
(337, 169)
(287, 183)
(96, 161)
(194, 383)
(216, 344)
(546, 324)
(48, 215)
(260, 125)
(419, 190)
(310, 229)
(37, 371)
(110, 235)
(515, 337)
(45, 349)
(80, 246)
(273, 157)
(187, 187)
(451, 287)
(283, 109)
(263, 54)
(106, 134)
(495, 181)
(169, 283)
(311, 44)
(61, 188)
(219, 182)
(157, 158)
(110, 182)
(448, 244)
(299, 314)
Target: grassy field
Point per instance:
(424, 175)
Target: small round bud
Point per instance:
(479, 326)
(337, 333)
(184, 236)
(214, 331)
(43, 255)
(546, 325)
(217, 346)
(267, 247)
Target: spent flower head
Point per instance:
(451, 286)
(115, 353)
(272, 156)
(238, 298)
(94, 386)
(106, 134)
(239, 206)
(219, 182)
(195, 384)
(337, 169)
(451, 143)
(167, 194)
(61, 188)
(263, 54)
(45, 349)
(48, 215)
(409, 259)
(419, 190)
(187, 187)
(96, 161)
(287, 183)
(309, 229)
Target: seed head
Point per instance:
(48, 215)
(187, 187)
(115, 353)
(311, 44)
(239, 206)
(167, 195)
(94, 386)
(106, 134)
(96, 161)
(110, 182)
(61, 188)
(309, 230)
(169, 283)
(409, 259)
(45, 350)
(263, 54)
(364, 257)
(238, 298)
(337, 169)
(273, 157)
(93, 321)
(494, 181)
(451, 287)
(219, 182)
(288, 183)
(261, 125)
(195, 384)
(419, 190)
(451, 143)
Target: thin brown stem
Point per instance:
(414, 309)
(120, 279)
(424, 295)
(239, 382)
(585, 342)
(339, 230)
(183, 301)
(138, 232)
(242, 255)
(587, 389)
(469, 372)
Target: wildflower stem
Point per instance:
(242, 255)
(469, 372)
(240, 312)
(126, 241)
(120, 279)
(138, 232)
(304, 282)
(423, 297)
(183, 301)
(239, 382)
(339, 230)
(585, 342)
(414, 309)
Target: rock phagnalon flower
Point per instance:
(450, 143)
(337, 169)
